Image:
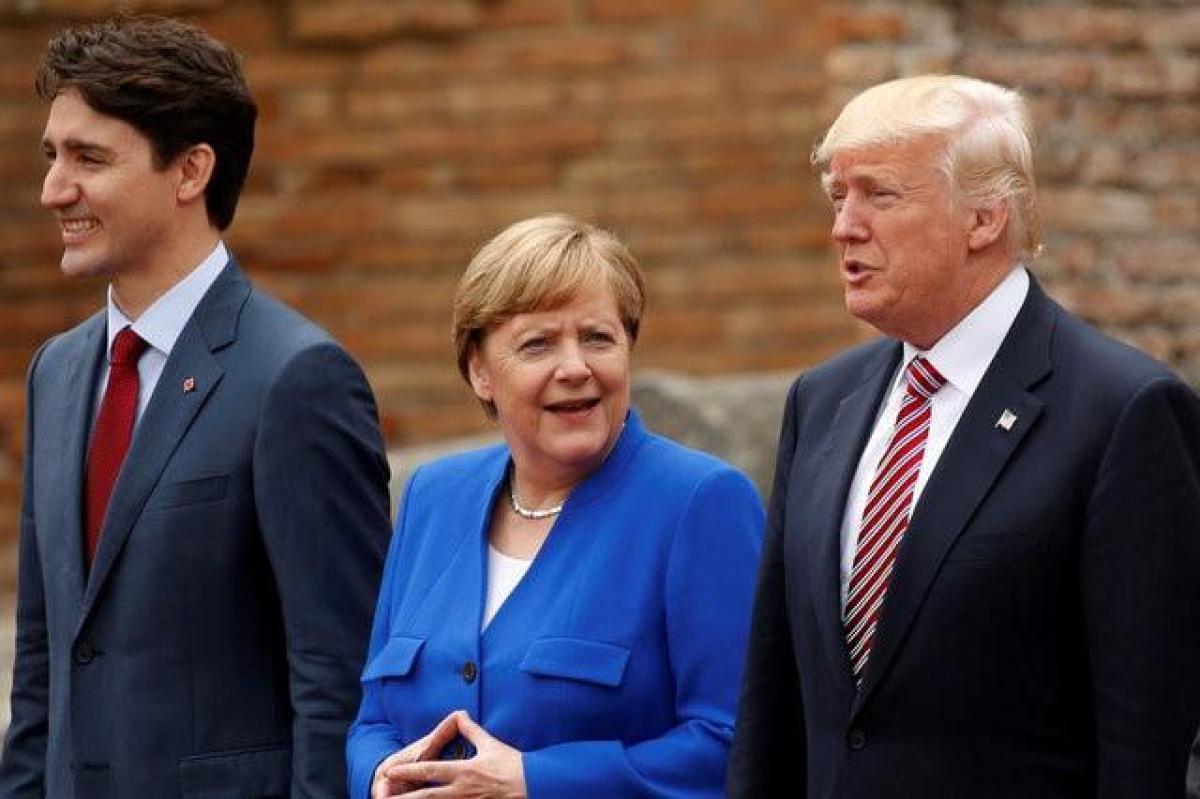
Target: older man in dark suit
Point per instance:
(982, 569)
(205, 506)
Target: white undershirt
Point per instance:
(160, 325)
(963, 355)
(503, 574)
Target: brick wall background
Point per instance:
(397, 135)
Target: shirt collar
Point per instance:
(161, 323)
(965, 353)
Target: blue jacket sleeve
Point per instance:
(371, 737)
(708, 588)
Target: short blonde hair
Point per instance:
(988, 153)
(539, 264)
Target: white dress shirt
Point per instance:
(963, 355)
(160, 326)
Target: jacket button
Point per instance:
(856, 739)
(456, 751)
(470, 671)
(84, 653)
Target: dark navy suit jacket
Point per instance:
(614, 665)
(214, 648)
(1041, 633)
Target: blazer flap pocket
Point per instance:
(577, 659)
(396, 659)
(188, 492)
(249, 772)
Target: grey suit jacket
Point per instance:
(214, 648)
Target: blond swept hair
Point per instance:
(988, 152)
(540, 264)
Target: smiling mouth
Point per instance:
(78, 227)
(573, 406)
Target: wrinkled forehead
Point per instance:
(904, 161)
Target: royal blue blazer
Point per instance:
(614, 665)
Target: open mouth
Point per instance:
(573, 406)
(75, 228)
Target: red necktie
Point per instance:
(885, 518)
(110, 436)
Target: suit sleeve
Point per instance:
(1140, 587)
(320, 476)
(708, 589)
(372, 737)
(768, 757)
(23, 767)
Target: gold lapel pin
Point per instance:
(189, 384)
(1007, 420)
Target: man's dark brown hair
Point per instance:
(171, 81)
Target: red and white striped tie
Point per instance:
(885, 518)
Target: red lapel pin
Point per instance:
(189, 384)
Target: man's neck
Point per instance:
(134, 293)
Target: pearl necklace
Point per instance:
(533, 514)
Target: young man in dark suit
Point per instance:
(981, 576)
(205, 502)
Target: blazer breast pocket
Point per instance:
(395, 660)
(996, 547)
(578, 660)
(188, 492)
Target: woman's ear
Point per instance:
(481, 381)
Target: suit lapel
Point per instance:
(838, 461)
(168, 416)
(75, 431)
(975, 456)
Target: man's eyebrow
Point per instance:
(74, 144)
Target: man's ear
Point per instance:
(195, 171)
(987, 224)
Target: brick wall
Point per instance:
(397, 135)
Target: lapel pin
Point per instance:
(189, 384)
(1007, 420)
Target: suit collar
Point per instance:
(977, 453)
(189, 376)
(85, 354)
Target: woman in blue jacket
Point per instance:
(564, 615)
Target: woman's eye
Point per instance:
(534, 345)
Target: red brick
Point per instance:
(624, 10)
(751, 201)
(1171, 28)
(508, 176)
(582, 50)
(528, 13)
(1096, 210)
(365, 21)
(674, 89)
(503, 98)
(1156, 258)
(878, 24)
(1138, 76)
(1085, 26)
(712, 45)
(1031, 70)
(862, 64)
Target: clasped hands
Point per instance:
(495, 772)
